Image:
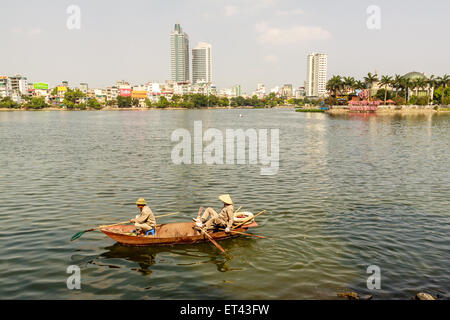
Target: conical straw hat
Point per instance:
(141, 202)
(226, 199)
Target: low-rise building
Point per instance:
(100, 94)
(84, 87)
(286, 91)
(112, 93)
(5, 86)
(300, 93)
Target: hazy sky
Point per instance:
(253, 40)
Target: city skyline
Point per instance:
(254, 41)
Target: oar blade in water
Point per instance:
(77, 235)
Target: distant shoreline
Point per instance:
(332, 110)
(390, 110)
(143, 109)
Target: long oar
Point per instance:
(246, 234)
(214, 242)
(80, 233)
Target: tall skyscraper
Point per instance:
(202, 63)
(179, 55)
(316, 75)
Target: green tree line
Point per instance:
(394, 87)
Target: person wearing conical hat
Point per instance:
(145, 221)
(223, 219)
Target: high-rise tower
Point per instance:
(179, 55)
(316, 75)
(202, 63)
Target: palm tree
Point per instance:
(370, 80)
(385, 81)
(405, 84)
(335, 84)
(415, 86)
(349, 83)
(419, 83)
(412, 85)
(396, 83)
(443, 81)
(431, 83)
(359, 85)
(422, 84)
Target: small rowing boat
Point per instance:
(170, 233)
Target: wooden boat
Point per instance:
(168, 234)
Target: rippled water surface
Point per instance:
(351, 191)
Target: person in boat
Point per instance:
(223, 219)
(145, 221)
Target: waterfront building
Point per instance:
(154, 88)
(112, 93)
(260, 90)
(140, 87)
(225, 92)
(316, 75)
(124, 88)
(276, 90)
(99, 93)
(286, 91)
(122, 83)
(202, 87)
(167, 88)
(16, 97)
(300, 93)
(39, 90)
(236, 90)
(84, 87)
(5, 86)
(419, 92)
(19, 84)
(181, 88)
(202, 63)
(179, 55)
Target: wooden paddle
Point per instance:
(214, 242)
(246, 234)
(80, 233)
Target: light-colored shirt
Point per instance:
(227, 215)
(146, 217)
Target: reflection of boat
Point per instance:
(168, 234)
(144, 257)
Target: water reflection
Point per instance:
(351, 191)
(186, 255)
(143, 256)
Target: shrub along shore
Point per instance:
(393, 109)
(76, 100)
(332, 109)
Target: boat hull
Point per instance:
(168, 234)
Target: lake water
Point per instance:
(351, 191)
